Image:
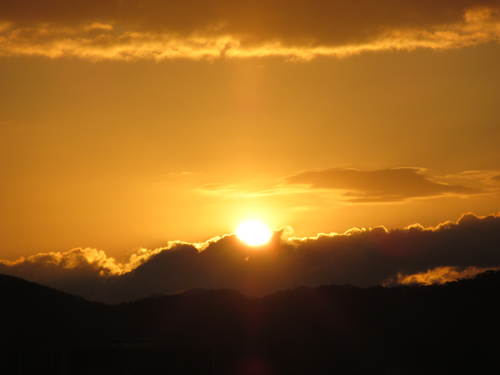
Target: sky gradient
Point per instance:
(128, 124)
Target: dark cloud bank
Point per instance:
(364, 258)
(322, 21)
(300, 29)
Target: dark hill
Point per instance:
(448, 329)
(33, 315)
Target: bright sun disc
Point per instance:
(253, 233)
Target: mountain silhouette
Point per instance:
(441, 329)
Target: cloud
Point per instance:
(482, 179)
(77, 270)
(362, 257)
(438, 275)
(383, 185)
(322, 188)
(222, 189)
(247, 190)
(158, 30)
(80, 271)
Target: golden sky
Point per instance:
(128, 124)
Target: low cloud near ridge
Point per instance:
(300, 29)
(363, 257)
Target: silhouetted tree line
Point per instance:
(442, 329)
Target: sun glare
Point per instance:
(253, 233)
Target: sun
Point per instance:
(253, 233)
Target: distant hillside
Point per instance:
(35, 315)
(448, 329)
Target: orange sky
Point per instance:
(128, 124)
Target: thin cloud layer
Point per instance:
(366, 186)
(158, 30)
(362, 257)
(383, 185)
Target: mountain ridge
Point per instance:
(450, 328)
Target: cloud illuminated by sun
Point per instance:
(253, 233)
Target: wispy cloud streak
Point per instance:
(383, 185)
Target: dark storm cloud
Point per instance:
(362, 257)
(297, 29)
(383, 185)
